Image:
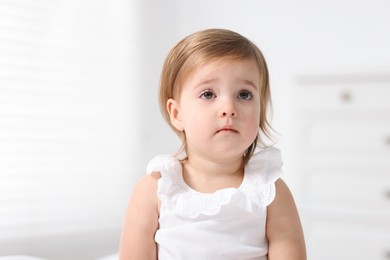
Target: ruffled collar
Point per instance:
(255, 192)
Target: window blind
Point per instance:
(68, 116)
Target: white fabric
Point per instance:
(227, 224)
(21, 257)
(27, 257)
(110, 257)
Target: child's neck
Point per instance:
(208, 176)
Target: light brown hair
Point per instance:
(202, 47)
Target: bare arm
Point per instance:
(284, 230)
(141, 222)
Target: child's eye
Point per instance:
(207, 95)
(245, 94)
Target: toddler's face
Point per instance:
(219, 108)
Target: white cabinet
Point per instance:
(341, 132)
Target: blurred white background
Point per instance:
(79, 115)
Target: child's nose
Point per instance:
(228, 109)
(232, 114)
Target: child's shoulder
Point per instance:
(147, 183)
(269, 154)
(265, 164)
(163, 164)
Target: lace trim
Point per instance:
(255, 193)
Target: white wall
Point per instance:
(158, 33)
(78, 119)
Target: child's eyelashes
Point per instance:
(207, 94)
(245, 94)
(242, 94)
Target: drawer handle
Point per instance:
(387, 196)
(387, 140)
(346, 96)
(387, 254)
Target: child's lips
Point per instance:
(227, 130)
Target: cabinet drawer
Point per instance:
(342, 241)
(344, 96)
(349, 192)
(347, 136)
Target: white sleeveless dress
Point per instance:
(227, 224)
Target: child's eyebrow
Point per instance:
(205, 82)
(246, 82)
(250, 83)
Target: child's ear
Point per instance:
(174, 114)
